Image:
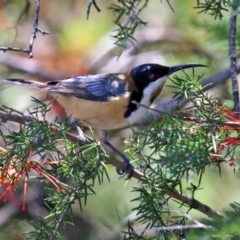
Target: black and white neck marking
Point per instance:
(134, 113)
(149, 80)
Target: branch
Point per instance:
(33, 35)
(193, 203)
(90, 3)
(169, 4)
(232, 54)
(175, 227)
(24, 119)
(4, 49)
(218, 78)
(35, 29)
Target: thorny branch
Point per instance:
(36, 29)
(191, 202)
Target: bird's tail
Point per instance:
(21, 82)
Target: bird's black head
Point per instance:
(147, 73)
(146, 83)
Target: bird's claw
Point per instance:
(127, 167)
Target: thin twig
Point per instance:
(175, 227)
(195, 204)
(232, 54)
(42, 31)
(36, 29)
(90, 3)
(145, 106)
(182, 213)
(4, 49)
(169, 4)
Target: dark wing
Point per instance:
(93, 87)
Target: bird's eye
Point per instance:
(153, 76)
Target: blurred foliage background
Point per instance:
(77, 46)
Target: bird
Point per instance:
(109, 101)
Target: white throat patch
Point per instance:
(146, 100)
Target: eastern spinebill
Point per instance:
(108, 101)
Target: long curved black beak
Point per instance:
(183, 66)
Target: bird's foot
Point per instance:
(77, 124)
(127, 168)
